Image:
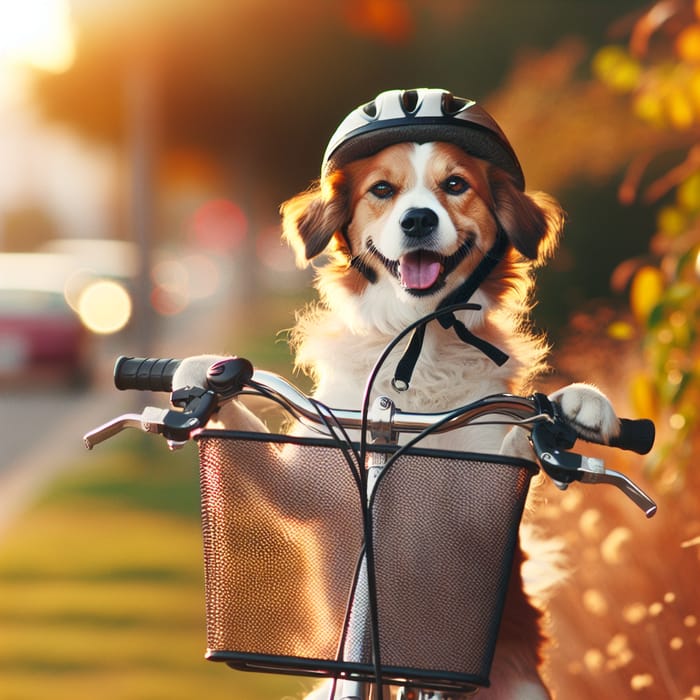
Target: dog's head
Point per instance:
(418, 217)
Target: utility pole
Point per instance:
(140, 107)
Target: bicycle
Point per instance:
(265, 538)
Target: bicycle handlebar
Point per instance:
(551, 434)
(145, 373)
(156, 374)
(636, 435)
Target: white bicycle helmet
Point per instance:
(421, 115)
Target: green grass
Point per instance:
(101, 582)
(101, 587)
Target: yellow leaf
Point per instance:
(616, 68)
(621, 330)
(645, 293)
(679, 109)
(643, 395)
(671, 221)
(649, 107)
(693, 88)
(688, 194)
(688, 44)
(607, 59)
(626, 77)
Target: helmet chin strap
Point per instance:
(462, 294)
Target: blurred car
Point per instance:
(103, 257)
(41, 337)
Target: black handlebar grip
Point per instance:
(145, 373)
(635, 435)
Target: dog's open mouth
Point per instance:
(422, 271)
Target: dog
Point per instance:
(392, 234)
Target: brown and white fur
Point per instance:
(355, 213)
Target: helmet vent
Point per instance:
(452, 105)
(370, 109)
(409, 101)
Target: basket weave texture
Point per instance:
(284, 546)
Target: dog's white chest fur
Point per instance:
(447, 375)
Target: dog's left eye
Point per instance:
(382, 189)
(455, 185)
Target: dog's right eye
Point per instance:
(382, 190)
(455, 185)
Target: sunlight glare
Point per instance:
(37, 32)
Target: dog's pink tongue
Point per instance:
(419, 269)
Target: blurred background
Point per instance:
(144, 151)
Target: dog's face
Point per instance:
(421, 215)
(416, 218)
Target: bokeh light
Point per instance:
(104, 307)
(172, 275)
(75, 284)
(171, 283)
(179, 281)
(219, 224)
(272, 252)
(204, 275)
(168, 302)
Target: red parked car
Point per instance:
(41, 337)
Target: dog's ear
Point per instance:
(310, 220)
(533, 221)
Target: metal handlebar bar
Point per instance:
(231, 376)
(551, 436)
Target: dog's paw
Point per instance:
(231, 415)
(193, 371)
(587, 410)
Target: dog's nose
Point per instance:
(418, 222)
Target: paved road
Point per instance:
(40, 436)
(41, 430)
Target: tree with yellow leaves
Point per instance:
(658, 69)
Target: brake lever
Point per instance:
(197, 406)
(622, 482)
(151, 420)
(565, 467)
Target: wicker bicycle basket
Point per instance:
(285, 553)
